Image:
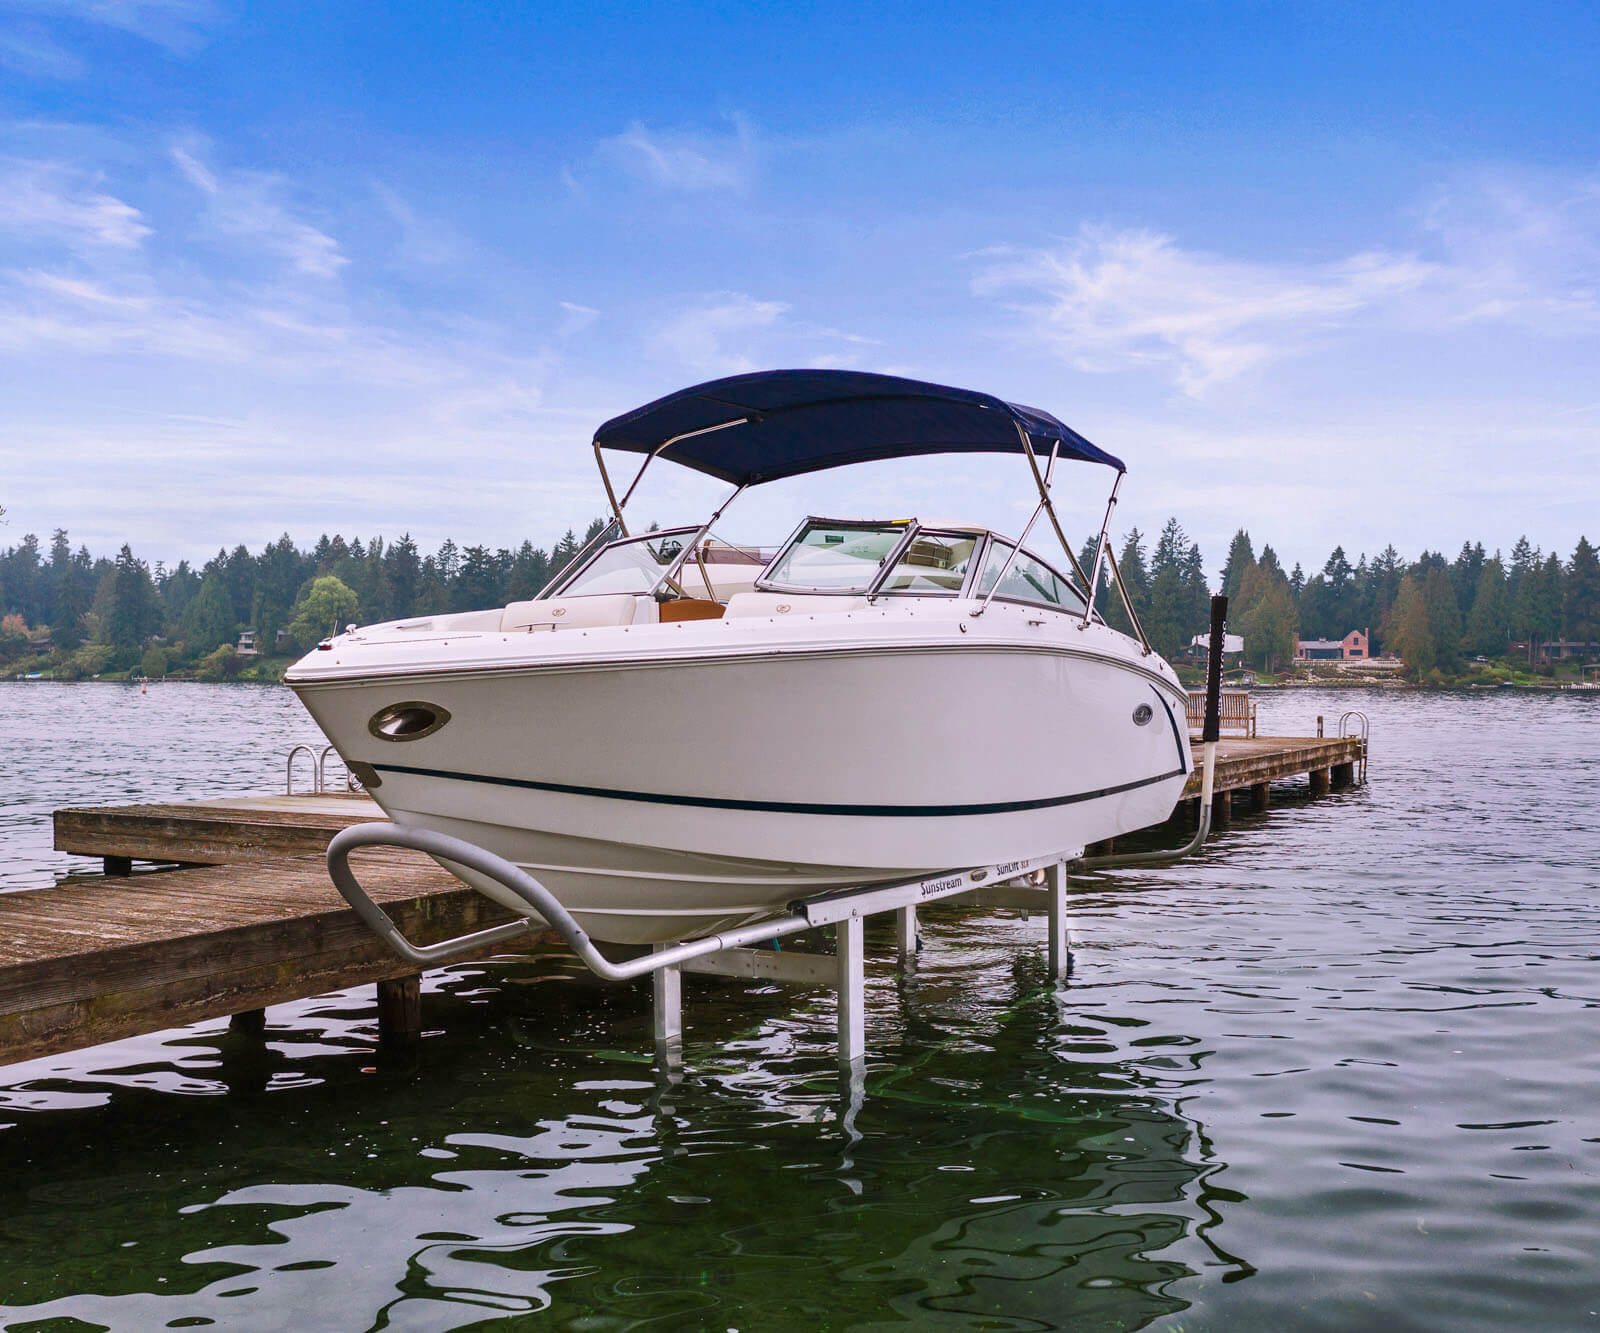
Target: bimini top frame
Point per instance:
(761, 427)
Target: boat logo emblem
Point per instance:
(782, 608)
(556, 611)
(1142, 714)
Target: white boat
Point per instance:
(679, 735)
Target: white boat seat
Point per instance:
(790, 604)
(570, 613)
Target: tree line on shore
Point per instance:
(94, 614)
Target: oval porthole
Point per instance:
(409, 721)
(1142, 715)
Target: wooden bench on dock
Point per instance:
(1235, 711)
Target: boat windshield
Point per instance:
(634, 565)
(1028, 580)
(827, 555)
(934, 563)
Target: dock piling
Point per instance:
(118, 866)
(1056, 884)
(852, 990)
(252, 1022)
(400, 1012)
(1321, 781)
(666, 994)
(905, 930)
(1260, 797)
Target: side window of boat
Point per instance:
(1028, 580)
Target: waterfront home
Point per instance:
(1352, 648)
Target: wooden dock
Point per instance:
(254, 920)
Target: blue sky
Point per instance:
(1325, 272)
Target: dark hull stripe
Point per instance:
(1184, 753)
(789, 807)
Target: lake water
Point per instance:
(1342, 1071)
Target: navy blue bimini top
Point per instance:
(772, 424)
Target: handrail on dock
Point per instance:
(1361, 720)
(288, 770)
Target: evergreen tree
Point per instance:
(134, 611)
(530, 569)
(1582, 596)
(1135, 573)
(433, 594)
(1444, 618)
(1548, 598)
(479, 584)
(1488, 623)
(1409, 630)
(404, 573)
(1178, 593)
(1464, 574)
(1523, 559)
(1240, 556)
(209, 621)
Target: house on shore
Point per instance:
(1352, 648)
(1199, 650)
(247, 644)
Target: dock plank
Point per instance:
(93, 960)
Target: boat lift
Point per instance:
(1034, 884)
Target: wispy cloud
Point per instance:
(717, 335)
(29, 49)
(249, 206)
(181, 26)
(1488, 246)
(576, 318)
(688, 160)
(423, 240)
(56, 202)
(1522, 246)
(1110, 300)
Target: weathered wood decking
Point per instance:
(96, 959)
(257, 922)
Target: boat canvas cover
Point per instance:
(761, 427)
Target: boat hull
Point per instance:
(660, 798)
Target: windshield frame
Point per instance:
(765, 584)
(1017, 549)
(578, 566)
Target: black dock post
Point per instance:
(400, 1012)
